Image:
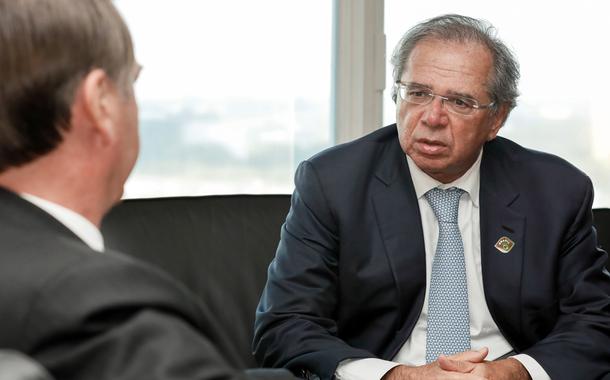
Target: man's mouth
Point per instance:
(430, 147)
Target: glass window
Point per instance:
(233, 93)
(564, 55)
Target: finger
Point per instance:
(477, 356)
(445, 375)
(462, 376)
(448, 364)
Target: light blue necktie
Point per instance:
(448, 316)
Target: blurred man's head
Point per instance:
(67, 69)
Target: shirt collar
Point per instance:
(75, 222)
(469, 182)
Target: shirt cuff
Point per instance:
(531, 365)
(363, 369)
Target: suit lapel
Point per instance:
(399, 222)
(501, 271)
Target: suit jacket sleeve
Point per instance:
(108, 317)
(578, 344)
(296, 318)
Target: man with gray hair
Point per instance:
(68, 141)
(434, 249)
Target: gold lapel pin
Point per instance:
(504, 244)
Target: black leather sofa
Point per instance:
(220, 247)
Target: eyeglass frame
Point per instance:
(431, 95)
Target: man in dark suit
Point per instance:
(68, 140)
(432, 249)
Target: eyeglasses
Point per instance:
(457, 104)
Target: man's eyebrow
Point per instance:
(450, 92)
(418, 85)
(461, 94)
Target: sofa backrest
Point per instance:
(218, 246)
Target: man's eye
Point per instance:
(461, 102)
(417, 94)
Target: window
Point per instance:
(233, 93)
(562, 49)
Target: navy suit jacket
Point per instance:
(349, 278)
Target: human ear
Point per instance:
(498, 119)
(98, 100)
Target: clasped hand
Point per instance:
(468, 365)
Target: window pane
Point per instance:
(233, 93)
(563, 51)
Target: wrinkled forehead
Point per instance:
(449, 65)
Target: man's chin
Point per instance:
(430, 164)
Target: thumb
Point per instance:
(477, 356)
(453, 365)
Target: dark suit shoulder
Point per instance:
(534, 170)
(30, 260)
(346, 151)
(354, 162)
(100, 285)
(532, 160)
(107, 304)
(59, 281)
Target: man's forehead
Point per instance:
(464, 66)
(454, 55)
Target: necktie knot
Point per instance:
(445, 203)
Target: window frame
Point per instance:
(359, 68)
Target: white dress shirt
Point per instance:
(483, 330)
(75, 222)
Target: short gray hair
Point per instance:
(503, 83)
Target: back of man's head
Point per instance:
(46, 48)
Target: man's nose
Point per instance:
(436, 113)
